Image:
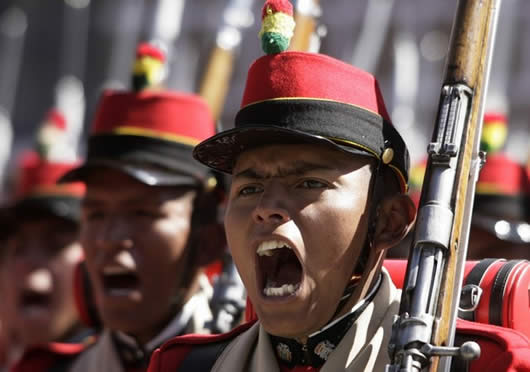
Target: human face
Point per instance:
(135, 238)
(313, 200)
(36, 278)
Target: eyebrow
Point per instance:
(298, 168)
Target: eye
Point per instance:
(249, 190)
(312, 184)
(145, 213)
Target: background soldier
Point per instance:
(40, 254)
(501, 214)
(149, 218)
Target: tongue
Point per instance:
(282, 268)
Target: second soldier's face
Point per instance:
(135, 239)
(296, 221)
(36, 276)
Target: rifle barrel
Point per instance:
(424, 331)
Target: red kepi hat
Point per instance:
(149, 134)
(36, 189)
(295, 98)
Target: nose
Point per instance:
(114, 234)
(271, 208)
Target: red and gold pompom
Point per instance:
(494, 132)
(277, 27)
(149, 70)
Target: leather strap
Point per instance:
(497, 292)
(474, 278)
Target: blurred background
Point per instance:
(65, 52)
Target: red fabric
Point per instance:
(146, 49)
(80, 297)
(57, 119)
(170, 355)
(494, 116)
(45, 357)
(502, 349)
(164, 113)
(213, 270)
(283, 6)
(310, 75)
(501, 175)
(517, 300)
(299, 369)
(41, 176)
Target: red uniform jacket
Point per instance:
(502, 350)
(52, 357)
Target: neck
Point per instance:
(183, 296)
(366, 283)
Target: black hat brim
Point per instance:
(144, 173)
(221, 151)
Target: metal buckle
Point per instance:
(470, 297)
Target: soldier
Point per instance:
(501, 215)
(149, 218)
(499, 227)
(317, 198)
(41, 251)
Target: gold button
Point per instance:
(388, 155)
(211, 183)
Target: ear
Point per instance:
(394, 219)
(210, 244)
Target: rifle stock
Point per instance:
(306, 23)
(216, 80)
(424, 330)
(215, 83)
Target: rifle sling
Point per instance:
(474, 278)
(497, 292)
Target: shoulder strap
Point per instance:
(202, 358)
(474, 278)
(497, 292)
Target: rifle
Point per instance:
(306, 14)
(423, 332)
(214, 86)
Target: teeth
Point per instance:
(40, 280)
(284, 290)
(125, 259)
(266, 248)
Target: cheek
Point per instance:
(333, 232)
(63, 267)
(168, 236)
(236, 227)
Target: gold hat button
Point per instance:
(388, 155)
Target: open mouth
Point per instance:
(281, 271)
(119, 281)
(34, 299)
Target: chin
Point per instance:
(286, 325)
